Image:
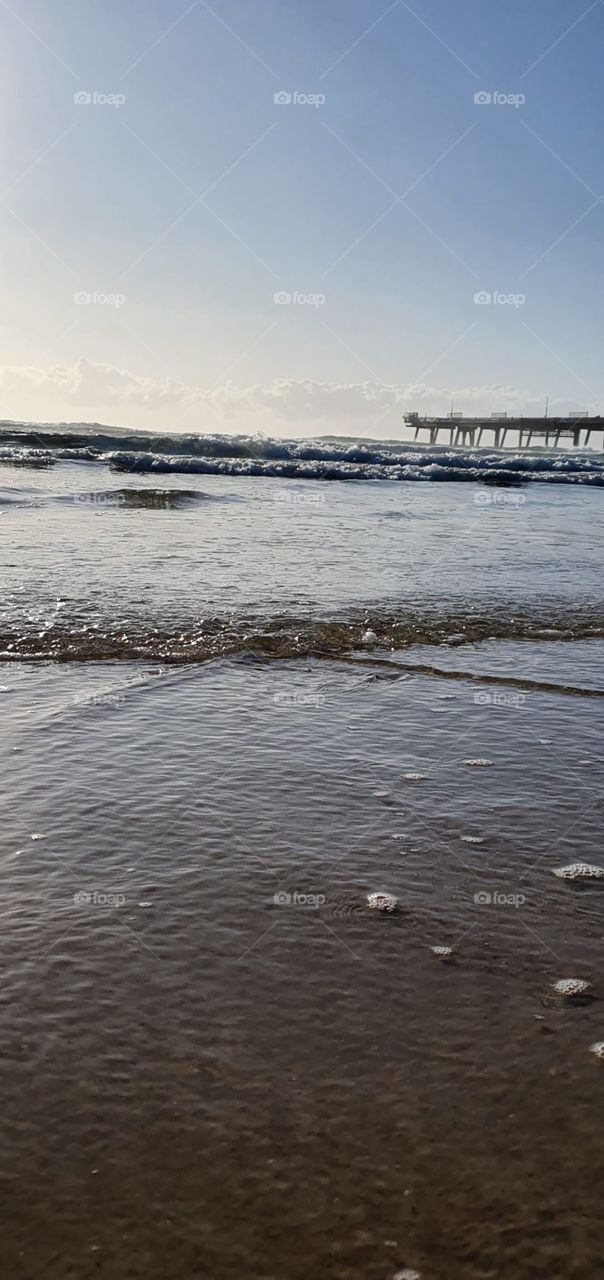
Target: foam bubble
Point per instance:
(571, 987)
(579, 871)
(382, 901)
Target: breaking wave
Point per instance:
(66, 633)
(319, 459)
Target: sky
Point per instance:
(300, 216)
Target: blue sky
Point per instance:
(148, 228)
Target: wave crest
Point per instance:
(320, 459)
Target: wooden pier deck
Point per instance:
(458, 430)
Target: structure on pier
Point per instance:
(457, 430)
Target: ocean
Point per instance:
(248, 683)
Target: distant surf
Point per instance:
(24, 444)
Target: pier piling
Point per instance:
(456, 430)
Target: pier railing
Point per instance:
(458, 430)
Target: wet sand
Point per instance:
(216, 1060)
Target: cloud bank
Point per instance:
(284, 406)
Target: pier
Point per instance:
(455, 429)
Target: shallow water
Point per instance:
(90, 569)
(216, 1060)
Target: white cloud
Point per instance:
(307, 400)
(87, 383)
(284, 406)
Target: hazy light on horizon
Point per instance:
(224, 216)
